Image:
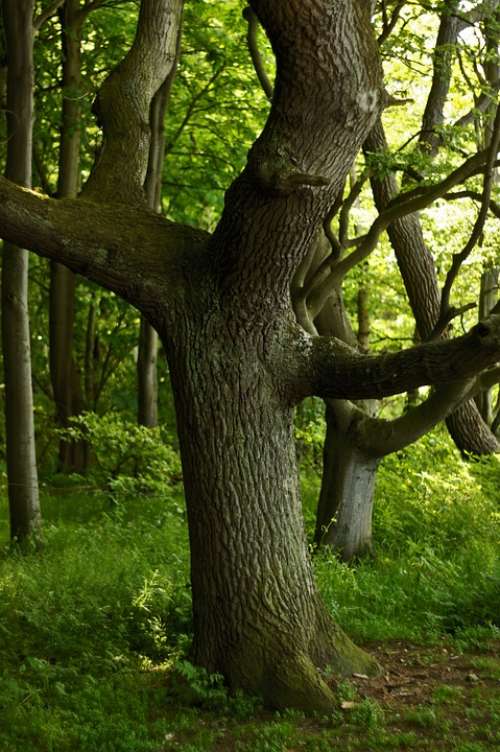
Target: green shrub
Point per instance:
(128, 459)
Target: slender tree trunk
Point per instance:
(363, 318)
(147, 375)
(65, 379)
(91, 356)
(147, 359)
(248, 554)
(488, 296)
(25, 518)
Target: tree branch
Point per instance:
(381, 437)
(459, 258)
(124, 102)
(389, 24)
(133, 252)
(45, 14)
(475, 196)
(326, 367)
(405, 203)
(253, 48)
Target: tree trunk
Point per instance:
(147, 359)
(249, 561)
(488, 297)
(24, 507)
(65, 379)
(345, 507)
(147, 375)
(467, 429)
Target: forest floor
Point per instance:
(428, 698)
(95, 625)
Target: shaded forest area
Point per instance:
(251, 357)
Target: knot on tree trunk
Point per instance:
(279, 172)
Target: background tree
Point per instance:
(25, 518)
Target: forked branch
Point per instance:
(124, 102)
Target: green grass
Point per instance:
(91, 625)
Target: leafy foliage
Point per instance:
(129, 459)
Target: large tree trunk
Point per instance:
(22, 477)
(66, 385)
(249, 560)
(345, 507)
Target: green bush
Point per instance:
(127, 458)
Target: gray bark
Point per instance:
(22, 478)
(345, 507)
(488, 297)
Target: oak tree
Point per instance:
(239, 361)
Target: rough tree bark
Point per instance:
(22, 478)
(238, 359)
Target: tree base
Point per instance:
(299, 674)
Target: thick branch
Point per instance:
(381, 437)
(133, 252)
(124, 103)
(327, 368)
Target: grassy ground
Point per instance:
(92, 626)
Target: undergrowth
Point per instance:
(91, 625)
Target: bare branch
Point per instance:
(459, 258)
(253, 47)
(46, 14)
(389, 24)
(475, 196)
(348, 204)
(405, 203)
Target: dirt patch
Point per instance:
(429, 698)
(413, 673)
